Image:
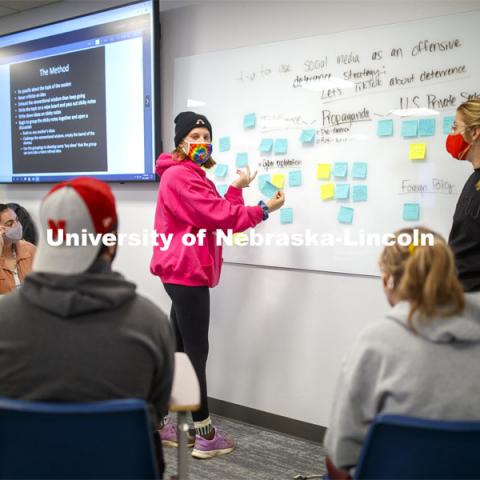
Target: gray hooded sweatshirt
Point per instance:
(433, 374)
(83, 338)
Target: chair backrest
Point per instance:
(109, 439)
(403, 447)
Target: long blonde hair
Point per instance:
(179, 155)
(425, 276)
(470, 111)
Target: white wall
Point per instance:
(277, 336)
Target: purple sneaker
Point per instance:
(169, 436)
(220, 444)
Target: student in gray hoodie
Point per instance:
(421, 360)
(76, 331)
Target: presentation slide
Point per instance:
(77, 98)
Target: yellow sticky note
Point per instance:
(323, 171)
(278, 180)
(417, 151)
(327, 191)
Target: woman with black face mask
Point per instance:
(464, 144)
(16, 255)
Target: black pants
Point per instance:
(190, 316)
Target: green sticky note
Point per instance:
(409, 128)
(411, 212)
(266, 145)
(222, 189)
(268, 189)
(224, 144)
(426, 127)
(359, 170)
(295, 178)
(280, 146)
(286, 216)
(447, 124)
(345, 215)
(221, 170)
(241, 160)
(249, 120)
(340, 169)
(342, 191)
(385, 128)
(308, 135)
(359, 193)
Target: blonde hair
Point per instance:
(179, 155)
(425, 276)
(470, 112)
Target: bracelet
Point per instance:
(264, 206)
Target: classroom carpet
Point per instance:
(260, 455)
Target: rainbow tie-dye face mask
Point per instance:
(199, 152)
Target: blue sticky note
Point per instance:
(340, 169)
(241, 160)
(286, 216)
(250, 120)
(224, 144)
(359, 193)
(295, 178)
(280, 146)
(222, 189)
(308, 135)
(221, 170)
(409, 128)
(411, 212)
(345, 215)
(268, 189)
(359, 170)
(342, 191)
(266, 145)
(426, 127)
(385, 128)
(447, 124)
(262, 179)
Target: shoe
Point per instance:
(169, 436)
(220, 444)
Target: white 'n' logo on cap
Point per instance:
(200, 122)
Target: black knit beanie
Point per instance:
(187, 121)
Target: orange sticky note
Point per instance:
(323, 171)
(327, 191)
(417, 151)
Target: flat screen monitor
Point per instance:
(77, 98)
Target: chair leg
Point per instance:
(182, 425)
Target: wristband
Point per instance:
(264, 206)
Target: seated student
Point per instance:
(28, 227)
(421, 360)
(16, 255)
(77, 331)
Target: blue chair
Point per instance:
(401, 447)
(109, 439)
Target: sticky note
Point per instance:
(327, 191)
(340, 169)
(447, 124)
(411, 212)
(359, 193)
(241, 160)
(262, 179)
(250, 120)
(222, 189)
(280, 146)
(295, 178)
(409, 128)
(426, 127)
(385, 128)
(345, 215)
(278, 180)
(323, 171)
(269, 190)
(359, 170)
(266, 145)
(221, 170)
(417, 151)
(224, 144)
(286, 215)
(342, 191)
(308, 135)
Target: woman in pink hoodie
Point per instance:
(188, 204)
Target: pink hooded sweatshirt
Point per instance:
(187, 202)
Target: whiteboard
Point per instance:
(341, 86)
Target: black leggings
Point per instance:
(190, 317)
